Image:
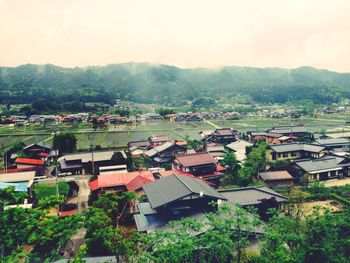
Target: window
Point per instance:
(293, 154)
(285, 154)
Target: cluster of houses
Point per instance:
(180, 181)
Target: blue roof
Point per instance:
(19, 187)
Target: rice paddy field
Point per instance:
(119, 135)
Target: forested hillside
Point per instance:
(141, 82)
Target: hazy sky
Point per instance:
(185, 33)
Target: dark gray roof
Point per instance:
(288, 129)
(156, 222)
(174, 187)
(291, 147)
(251, 195)
(328, 163)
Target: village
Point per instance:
(177, 179)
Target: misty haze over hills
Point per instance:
(148, 83)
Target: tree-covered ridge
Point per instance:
(149, 83)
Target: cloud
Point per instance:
(192, 33)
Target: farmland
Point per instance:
(118, 135)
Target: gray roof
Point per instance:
(87, 156)
(291, 147)
(159, 149)
(156, 222)
(276, 175)
(251, 195)
(288, 129)
(324, 164)
(240, 145)
(17, 177)
(331, 142)
(103, 259)
(174, 187)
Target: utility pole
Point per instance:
(91, 138)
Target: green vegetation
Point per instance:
(43, 191)
(40, 234)
(64, 142)
(141, 82)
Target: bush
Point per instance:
(47, 190)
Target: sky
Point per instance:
(183, 33)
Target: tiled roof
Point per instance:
(138, 143)
(225, 131)
(290, 147)
(159, 138)
(275, 175)
(323, 164)
(288, 129)
(174, 187)
(195, 159)
(329, 142)
(29, 161)
(239, 146)
(159, 149)
(251, 195)
(132, 181)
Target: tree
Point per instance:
(65, 142)
(226, 234)
(104, 223)
(165, 111)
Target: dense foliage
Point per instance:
(166, 84)
(64, 142)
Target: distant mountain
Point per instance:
(142, 82)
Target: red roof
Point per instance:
(68, 213)
(42, 154)
(132, 181)
(179, 172)
(33, 168)
(220, 168)
(29, 161)
(195, 159)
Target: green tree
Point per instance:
(65, 142)
(164, 111)
(226, 234)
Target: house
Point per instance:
(199, 164)
(299, 131)
(289, 151)
(276, 178)
(270, 138)
(29, 163)
(324, 168)
(174, 197)
(138, 148)
(113, 169)
(165, 153)
(121, 182)
(336, 144)
(240, 148)
(152, 116)
(38, 150)
(158, 140)
(252, 196)
(222, 136)
(217, 151)
(81, 163)
(21, 181)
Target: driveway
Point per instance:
(83, 194)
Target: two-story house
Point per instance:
(165, 153)
(289, 151)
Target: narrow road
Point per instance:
(213, 124)
(83, 194)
